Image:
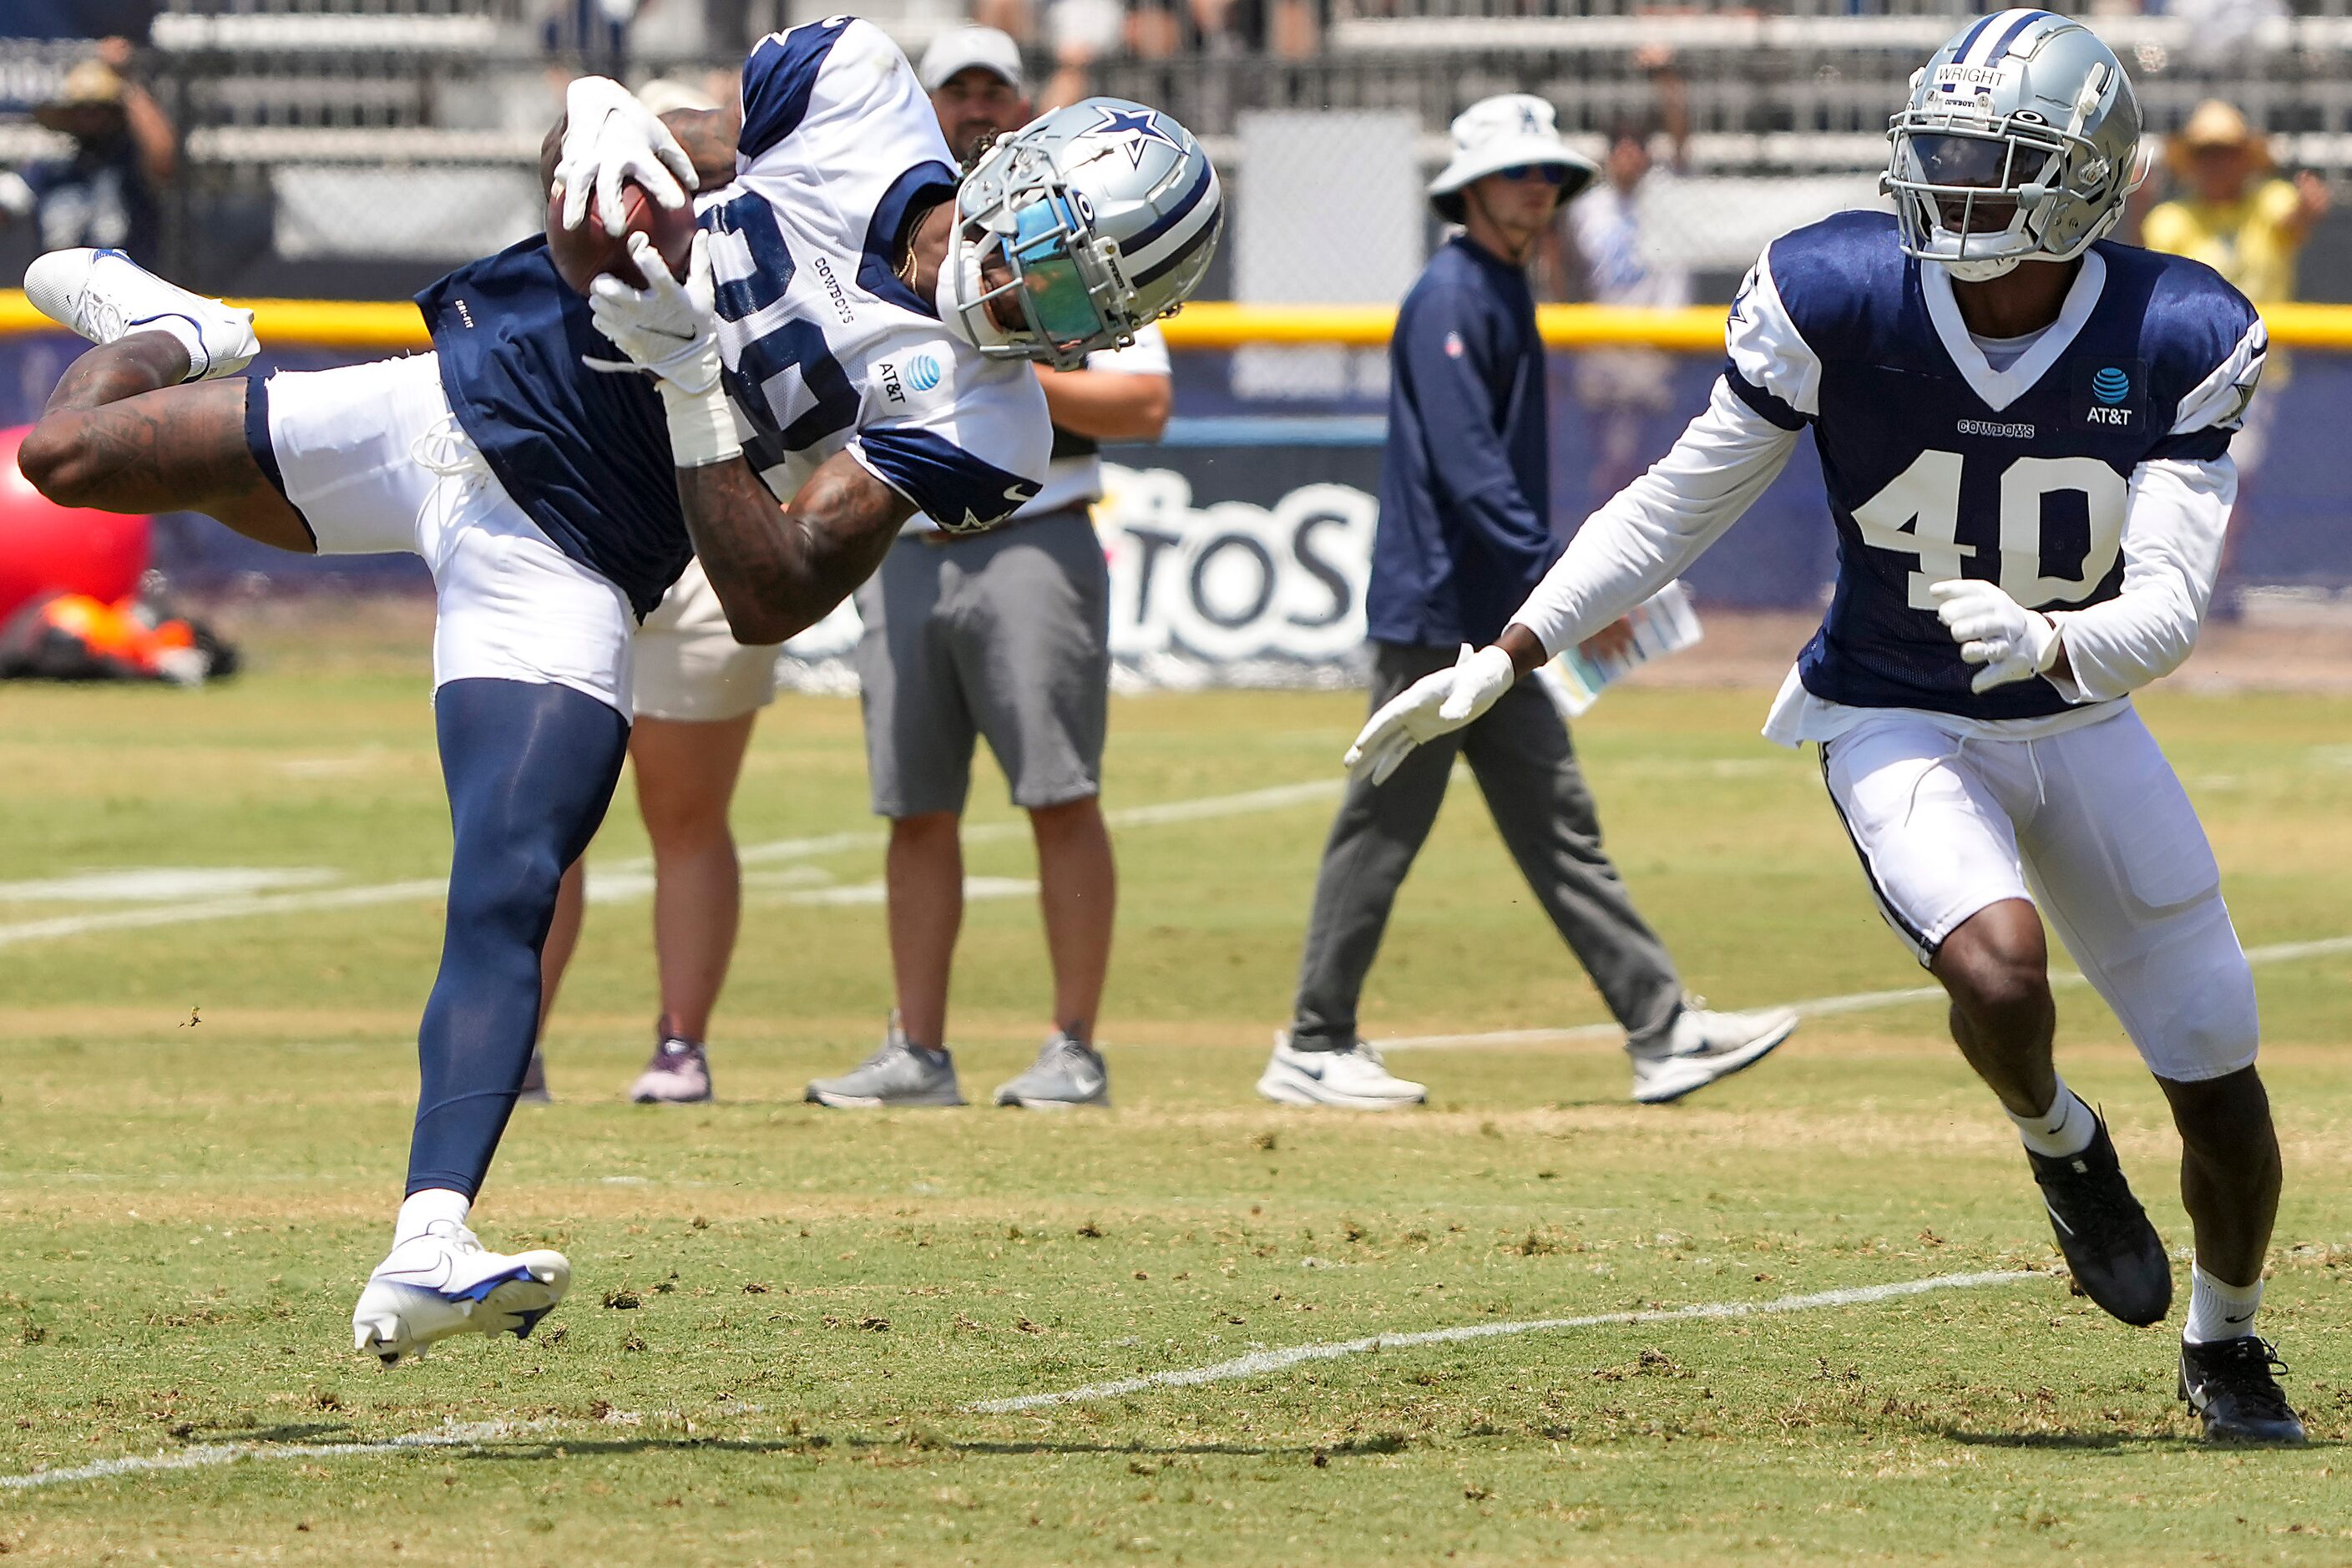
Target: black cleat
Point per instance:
(2114, 1253)
(2232, 1386)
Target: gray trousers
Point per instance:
(1519, 752)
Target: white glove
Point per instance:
(609, 137)
(1435, 705)
(670, 329)
(2010, 641)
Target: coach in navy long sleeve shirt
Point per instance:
(1462, 539)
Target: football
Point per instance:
(581, 253)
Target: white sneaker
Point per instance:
(443, 1283)
(1355, 1078)
(105, 296)
(1704, 1047)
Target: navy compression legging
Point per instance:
(530, 768)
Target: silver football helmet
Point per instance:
(1105, 214)
(2020, 142)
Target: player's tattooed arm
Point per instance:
(708, 136)
(778, 571)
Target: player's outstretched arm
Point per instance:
(778, 571)
(1648, 533)
(1634, 545)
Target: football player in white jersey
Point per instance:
(868, 331)
(2024, 430)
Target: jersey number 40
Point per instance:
(1919, 513)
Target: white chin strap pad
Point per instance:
(1982, 271)
(959, 290)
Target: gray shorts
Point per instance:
(1005, 635)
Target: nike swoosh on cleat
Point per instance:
(417, 1278)
(480, 1289)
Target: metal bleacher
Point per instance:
(370, 138)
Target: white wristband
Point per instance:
(701, 426)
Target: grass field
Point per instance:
(781, 1319)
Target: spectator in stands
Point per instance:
(1005, 636)
(2236, 216)
(1464, 533)
(1629, 391)
(105, 192)
(1079, 33)
(2233, 213)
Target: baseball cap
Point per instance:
(960, 49)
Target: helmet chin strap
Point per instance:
(958, 296)
(1981, 271)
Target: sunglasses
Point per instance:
(1550, 174)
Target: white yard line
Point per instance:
(636, 872)
(224, 909)
(457, 1435)
(1820, 1007)
(1259, 1363)
(454, 1436)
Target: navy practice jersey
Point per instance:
(584, 454)
(825, 348)
(1938, 466)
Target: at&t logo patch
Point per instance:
(2109, 396)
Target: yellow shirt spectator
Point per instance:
(2250, 241)
(2234, 215)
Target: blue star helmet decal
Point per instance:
(1135, 127)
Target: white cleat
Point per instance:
(443, 1283)
(105, 296)
(1704, 1047)
(1353, 1079)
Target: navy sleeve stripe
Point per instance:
(777, 81)
(1765, 403)
(954, 488)
(2196, 447)
(927, 183)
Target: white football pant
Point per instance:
(2092, 827)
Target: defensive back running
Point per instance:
(2025, 435)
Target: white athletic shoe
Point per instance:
(1355, 1078)
(443, 1283)
(1704, 1047)
(105, 296)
